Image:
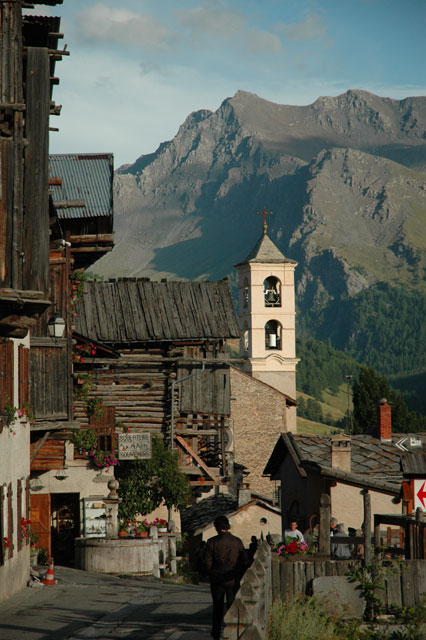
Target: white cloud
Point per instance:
(122, 26)
(262, 41)
(215, 24)
(312, 28)
(212, 22)
(95, 118)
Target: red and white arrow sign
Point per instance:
(420, 494)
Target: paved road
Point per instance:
(85, 606)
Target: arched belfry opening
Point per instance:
(272, 292)
(246, 338)
(273, 335)
(245, 292)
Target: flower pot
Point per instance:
(141, 534)
(122, 534)
(162, 530)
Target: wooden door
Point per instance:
(40, 518)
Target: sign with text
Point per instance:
(420, 494)
(134, 446)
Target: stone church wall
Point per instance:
(258, 416)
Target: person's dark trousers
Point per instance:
(219, 592)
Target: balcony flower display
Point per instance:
(291, 547)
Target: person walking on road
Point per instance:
(225, 561)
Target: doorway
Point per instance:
(65, 526)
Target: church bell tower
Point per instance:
(267, 318)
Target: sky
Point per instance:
(138, 68)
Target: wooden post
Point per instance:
(377, 534)
(367, 526)
(324, 525)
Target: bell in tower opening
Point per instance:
(272, 292)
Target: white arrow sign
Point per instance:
(400, 444)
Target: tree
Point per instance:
(368, 390)
(145, 484)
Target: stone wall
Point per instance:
(271, 577)
(258, 416)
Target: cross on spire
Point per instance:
(264, 213)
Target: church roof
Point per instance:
(266, 251)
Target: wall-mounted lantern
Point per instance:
(56, 326)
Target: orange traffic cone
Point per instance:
(50, 576)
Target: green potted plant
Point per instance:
(161, 525)
(123, 528)
(142, 528)
(84, 440)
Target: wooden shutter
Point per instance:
(19, 514)
(27, 501)
(10, 518)
(104, 425)
(24, 360)
(6, 375)
(2, 532)
(40, 518)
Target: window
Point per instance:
(245, 293)
(272, 292)
(246, 338)
(273, 332)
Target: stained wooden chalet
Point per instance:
(171, 376)
(82, 197)
(28, 55)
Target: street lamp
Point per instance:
(56, 326)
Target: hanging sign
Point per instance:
(420, 494)
(134, 446)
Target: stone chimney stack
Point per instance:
(244, 494)
(341, 452)
(385, 421)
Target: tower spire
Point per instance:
(264, 213)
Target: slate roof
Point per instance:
(379, 465)
(86, 182)
(414, 464)
(131, 310)
(266, 251)
(203, 513)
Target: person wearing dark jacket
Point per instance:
(225, 561)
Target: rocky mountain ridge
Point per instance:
(344, 178)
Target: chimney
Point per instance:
(341, 452)
(244, 494)
(385, 421)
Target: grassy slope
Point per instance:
(336, 405)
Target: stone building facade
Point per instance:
(258, 417)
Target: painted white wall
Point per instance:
(247, 523)
(15, 465)
(348, 507)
